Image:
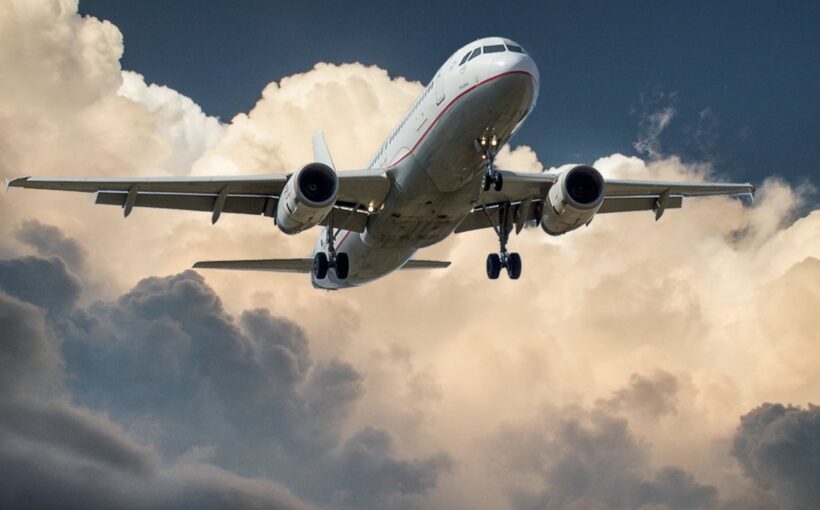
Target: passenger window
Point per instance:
(517, 49)
(476, 52)
(464, 60)
(496, 48)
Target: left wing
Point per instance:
(258, 194)
(525, 193)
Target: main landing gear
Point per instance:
(503, 259)
(322, 261)
(488, 149)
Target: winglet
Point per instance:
(321, 153)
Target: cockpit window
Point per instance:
(495, 48)
(464, 60)
(476, 52)
(516, 49)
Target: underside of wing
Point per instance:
(426, 264)
(277, 265)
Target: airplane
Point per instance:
(433, 176)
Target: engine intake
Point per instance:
(308, 196)
(573, 200)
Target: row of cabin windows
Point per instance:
(493, 48)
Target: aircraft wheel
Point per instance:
(493, 266)
(486, 182)
(499, 181)
(342, 266)
(320, 265)
(514, 266)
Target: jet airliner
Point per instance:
(434, 175)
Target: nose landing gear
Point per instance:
(503, 259)
(488, 149)
(322, 261)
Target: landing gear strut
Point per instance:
(322, 261)
(503, 259)
(488, 149)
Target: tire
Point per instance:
(499, 181)
(514, 266)
(493, 266)
(486, 182)
(342, 266)
(320, 265)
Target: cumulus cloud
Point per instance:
(649, 339)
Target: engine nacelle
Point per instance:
(573, 200)
(307, 198)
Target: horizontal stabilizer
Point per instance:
(279, 265)
(425, 264)
(298, 265)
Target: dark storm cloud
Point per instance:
(54, 454)
(590, 459)
(778, 448)
(28, 361)
(168, 349)
(43, 282)
(49, 240)
(249, 388)
(365, 472)
(650, 396)
(187, 377)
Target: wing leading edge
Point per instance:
(256, 195)
(525, 193)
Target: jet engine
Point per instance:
(307, 198)
(572, 200)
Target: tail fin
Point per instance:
(321, 153)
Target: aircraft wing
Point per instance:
(258, 194)
(525, 193)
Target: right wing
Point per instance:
(258, 194)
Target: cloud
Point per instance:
(54, 454)
(48, 240)
(589, 459)
(656, 113)
(179, 121)
(778, 447)
(166, 358)
(651, 396)
(43, 282)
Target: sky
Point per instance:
(740, 77)
(635, 364)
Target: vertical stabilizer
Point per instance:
(321, 154)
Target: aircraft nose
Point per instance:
(511, 62)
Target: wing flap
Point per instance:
(244, 204)
(640, 203)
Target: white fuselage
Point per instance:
(435, 169)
